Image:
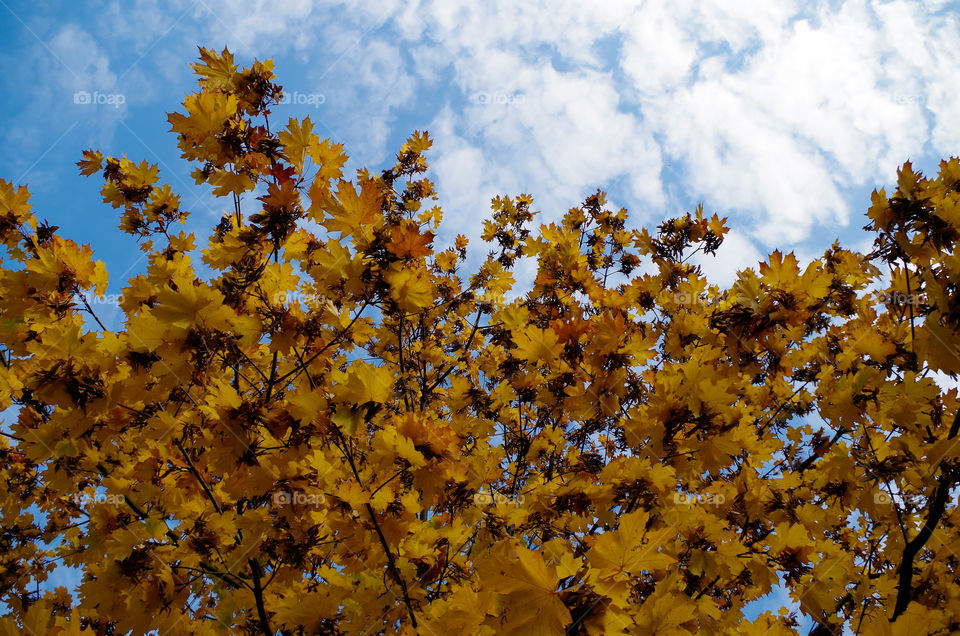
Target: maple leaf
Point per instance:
(91, 163)
(208, 115)
(624, 549)
(299, 141)
(538, 345)
(188, 306)
(216, 70)
(417, 143)
(782, 272)
(227, 182)
(532, 604)
(13, 202)
(940, 346)
(353, 214)
(410, 286)
(406, 241)
(330, 160)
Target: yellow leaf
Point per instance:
(216, 70)
(532, 603)
(410, 286)
(92, 162)
(348, 419)
(227, 182)
(353, 214)
(299, 141)
(626, 550)
(537, 345)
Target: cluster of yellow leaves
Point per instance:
(340, 432)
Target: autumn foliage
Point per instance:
(348, 429)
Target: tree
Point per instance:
(341, 431)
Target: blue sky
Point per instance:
(782, 116)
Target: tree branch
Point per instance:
(934, 514)
(258, 596)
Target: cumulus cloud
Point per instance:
(736, 253)
(782, 111)
(770, 113)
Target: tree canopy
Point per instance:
(348, 429)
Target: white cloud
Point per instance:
(465, 173)
(557, 134)
(363, 90)
(83, 65)
(658, 54)
(930, 80)
(259, 24)
(784, 115)
(65, 87)
(736, 253)
(772, 115)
